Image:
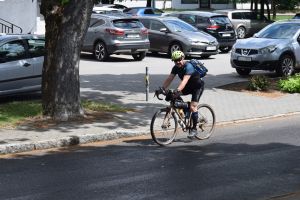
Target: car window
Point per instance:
(191, 19)
(156, 25)
(96, 22)
(202, 20)
(127, 24)
(36, 47)
(251, 15)
(176, 25)
(146, 23)
(220, 20)
(148, 11)
(11, 51)
(130, 11)
(279, 31)
(237, 15)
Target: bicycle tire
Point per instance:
(163, 130)
(206, 122)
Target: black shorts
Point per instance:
(196, 92)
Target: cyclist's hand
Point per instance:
(158, 92)
(176, 94)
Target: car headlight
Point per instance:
(269, 49)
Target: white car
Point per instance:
(106, 10)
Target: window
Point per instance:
(220, 1)
(148, 11)
(250, 15)
(155, 25)
(202, 20)
(191, 19)
(237, 15)
(96, 22)
(36, 47)
(12, 51)
(189, 1)
(146, 23)
(127, 24)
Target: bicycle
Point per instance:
(164, 123)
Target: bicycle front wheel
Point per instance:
(206, 121)
(163, 127)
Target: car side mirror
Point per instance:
(164, 30)
(255, 35)
(298, 39)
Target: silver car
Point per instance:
(111, 34)
(276, 47)
(169, 34)
(21, 63)
(246, 22)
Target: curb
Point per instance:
(75, 140)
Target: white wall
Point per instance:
(142, 3)
(20, 12)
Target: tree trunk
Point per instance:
(274, 9)
(148, 3)
(262, 10)
(66, 25)
(268, 10)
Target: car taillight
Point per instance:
(213, 27)
(144, 31)
(115, 31)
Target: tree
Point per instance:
(66, 24)
(149, 3)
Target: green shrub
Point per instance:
(259, 83)
(291, 84)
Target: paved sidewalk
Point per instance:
(229, 107)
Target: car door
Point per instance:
(16, 70)
(159, 40)
(297, 50)
(94, 32)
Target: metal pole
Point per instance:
(147, 83)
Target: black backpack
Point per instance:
(199, 67)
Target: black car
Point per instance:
(297, 16)
(216, 25)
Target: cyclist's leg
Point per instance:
(194, 104)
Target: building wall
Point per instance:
(176, 4)
(22, 13)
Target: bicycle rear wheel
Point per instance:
(163, 127)
(206, 121)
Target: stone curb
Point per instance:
(75, 140)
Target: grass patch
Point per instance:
(14, 113)
(283, 17)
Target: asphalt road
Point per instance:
(246, 161)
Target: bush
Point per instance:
(291, 84)
(259, 83)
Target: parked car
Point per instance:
(276, 47)
(214, 24)
(297, 16)
(115, 6)
(105, 10)
(109, 34)
(246, 22)
(21, 63)
(143, 11)
(169, 34)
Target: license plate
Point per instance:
(133, 35)
(226, 35)
(210, 48)
(243, 58)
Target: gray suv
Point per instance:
(246, 22)
(109, 34)
(276, 47)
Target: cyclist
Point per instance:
(191, 83)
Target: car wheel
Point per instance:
(100, 51)
(241, 32)
(225, 49)
(286, 66)
(174, 47)
(243, 71)
(139, 56)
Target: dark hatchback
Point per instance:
(214, 24)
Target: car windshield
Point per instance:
(279, 31)
(179, 26)
(220, 20)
